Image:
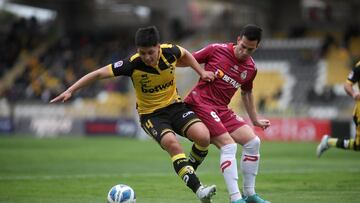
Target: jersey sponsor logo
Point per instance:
(118, 64)
(220, 74)
(187, 113)
(158, 87)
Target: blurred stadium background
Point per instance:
(308, 49)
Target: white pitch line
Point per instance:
(83, 176)
(77, 176)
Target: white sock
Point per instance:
(249, 165)
(229, 170)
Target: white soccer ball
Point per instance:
(121, 194)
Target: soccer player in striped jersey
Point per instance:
(347, 144)
(161, 110)
(234, 69)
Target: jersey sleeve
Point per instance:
(176, 51)
(203, 54)
(122, 67)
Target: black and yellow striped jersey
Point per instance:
(155, 87)
(354, 76)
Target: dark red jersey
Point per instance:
(231, 74)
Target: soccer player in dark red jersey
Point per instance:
(234, 69)
(347, 144)
(161, 110)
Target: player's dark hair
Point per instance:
(252, 32)
(147, 37)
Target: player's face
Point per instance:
(149, 55)
(245, 48)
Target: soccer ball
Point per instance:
(121, 194)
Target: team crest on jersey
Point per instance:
(243, 75)
(154, 132)
(118, 64)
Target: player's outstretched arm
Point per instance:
(188, 60)
(98, 74)
(248, 100)
(348, 87)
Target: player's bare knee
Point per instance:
(173, 147)
(203, 141)
(171, 144)
(204, 137)
(200, 135)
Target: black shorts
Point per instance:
(173, 118)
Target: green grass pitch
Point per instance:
(84, 169)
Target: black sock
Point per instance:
(197, 155)
(186, 172)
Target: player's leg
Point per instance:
(187, 124)
(356, 118)
(170, 143)
(228, 164)
(181, 124)
(328, 142)
(221, 138)
(198, 133)
(159, 129)
(244, 135)
(250, 159)
(347, 144)
(357, 136)
(184, 170)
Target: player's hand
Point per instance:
(207, 76)
(356, 96)
(62, 97)
(262, 123)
